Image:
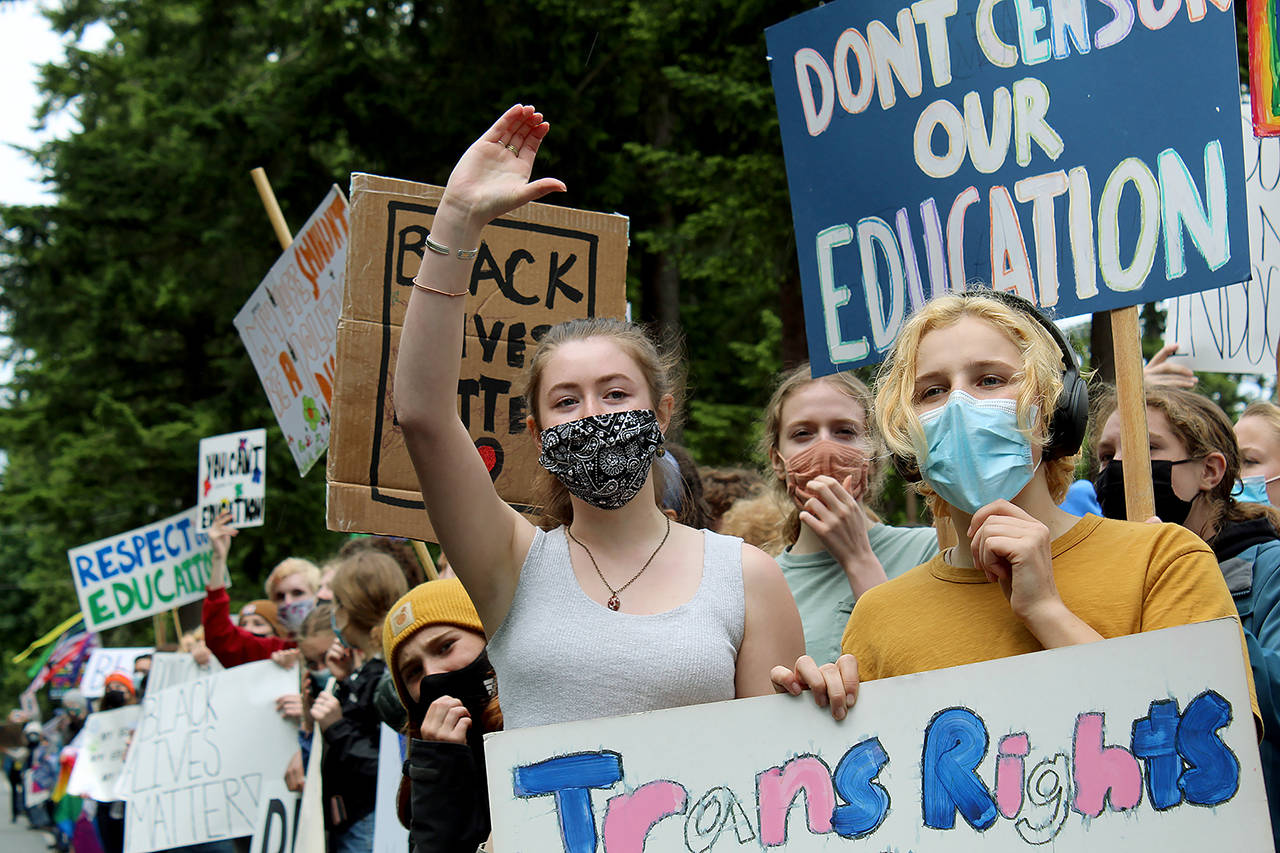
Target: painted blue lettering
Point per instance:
(173, 551)
(954, 745)
(855, 781)
(153, 546)
(570, 778)
(84, 569)
(184, 525)
(1213, 776)
(127, 558)
(105, 566)
(1154, 741)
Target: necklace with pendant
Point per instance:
(614, 603)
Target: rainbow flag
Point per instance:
(1264, 66)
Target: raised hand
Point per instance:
(220, 535)
(492, 177)
(1159, 371)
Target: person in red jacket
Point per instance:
(233, 645)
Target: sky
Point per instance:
(25, 42)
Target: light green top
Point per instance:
(822, 591)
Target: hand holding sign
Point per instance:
(834, 684)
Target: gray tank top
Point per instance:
(561, 656)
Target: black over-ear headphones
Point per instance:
(1070, 415)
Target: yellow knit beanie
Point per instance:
(438, 602)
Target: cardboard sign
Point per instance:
(103, 742)
(170, 668)
(1144, 742)
(289, 327)
(205, 756)
(1086, 156)
(389, 836)
(233, 478)
(103, 662)
(149, 570)
(537, 266)
(1234, 329)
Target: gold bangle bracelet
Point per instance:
(426, 287)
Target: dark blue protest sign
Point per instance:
(1086, 154)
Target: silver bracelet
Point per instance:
(441, 249)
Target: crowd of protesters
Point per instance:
(651, 583)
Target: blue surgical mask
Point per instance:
(975, 452)
(1253, 489)
(337, 632)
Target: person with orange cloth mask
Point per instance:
(817, 436)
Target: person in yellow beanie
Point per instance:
(434, 645)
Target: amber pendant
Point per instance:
(614, 603)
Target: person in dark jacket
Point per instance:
(434, 644)
(365, 585)
(1196, 465)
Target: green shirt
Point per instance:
(822, 591)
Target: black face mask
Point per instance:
(473, 685)
(1169, 507)
(113, 699)
(603, 459)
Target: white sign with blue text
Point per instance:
(132, 575)
(1144, 742)
(1086, 156)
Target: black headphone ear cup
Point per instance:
(1070, 417)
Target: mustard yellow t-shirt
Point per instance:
(1120, 577)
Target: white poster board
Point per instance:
(102, 744)
(1235, 329)
(103, 662)
(132, 575)
(290, 328)
(233, 478)
(389, 836)
(205, 756)
(277, 824)
(1144, 742)
(170, 668)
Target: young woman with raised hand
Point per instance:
(981, 398)
(618, 609)
(826, 465)
(1195, 468)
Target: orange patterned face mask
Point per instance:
(838, 460)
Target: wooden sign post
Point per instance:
(1131, 403)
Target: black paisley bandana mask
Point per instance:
(603, 459)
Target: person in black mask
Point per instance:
(434, 645)
(1195, 469)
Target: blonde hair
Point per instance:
(1040, 383)
(663, 375)
(290, 566)
(1269, 412)
(789, 383)
(1203, 428)
(366, 585)
(758, 520)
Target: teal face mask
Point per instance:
(974, 451)
(1253, 489)
(337, 632)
